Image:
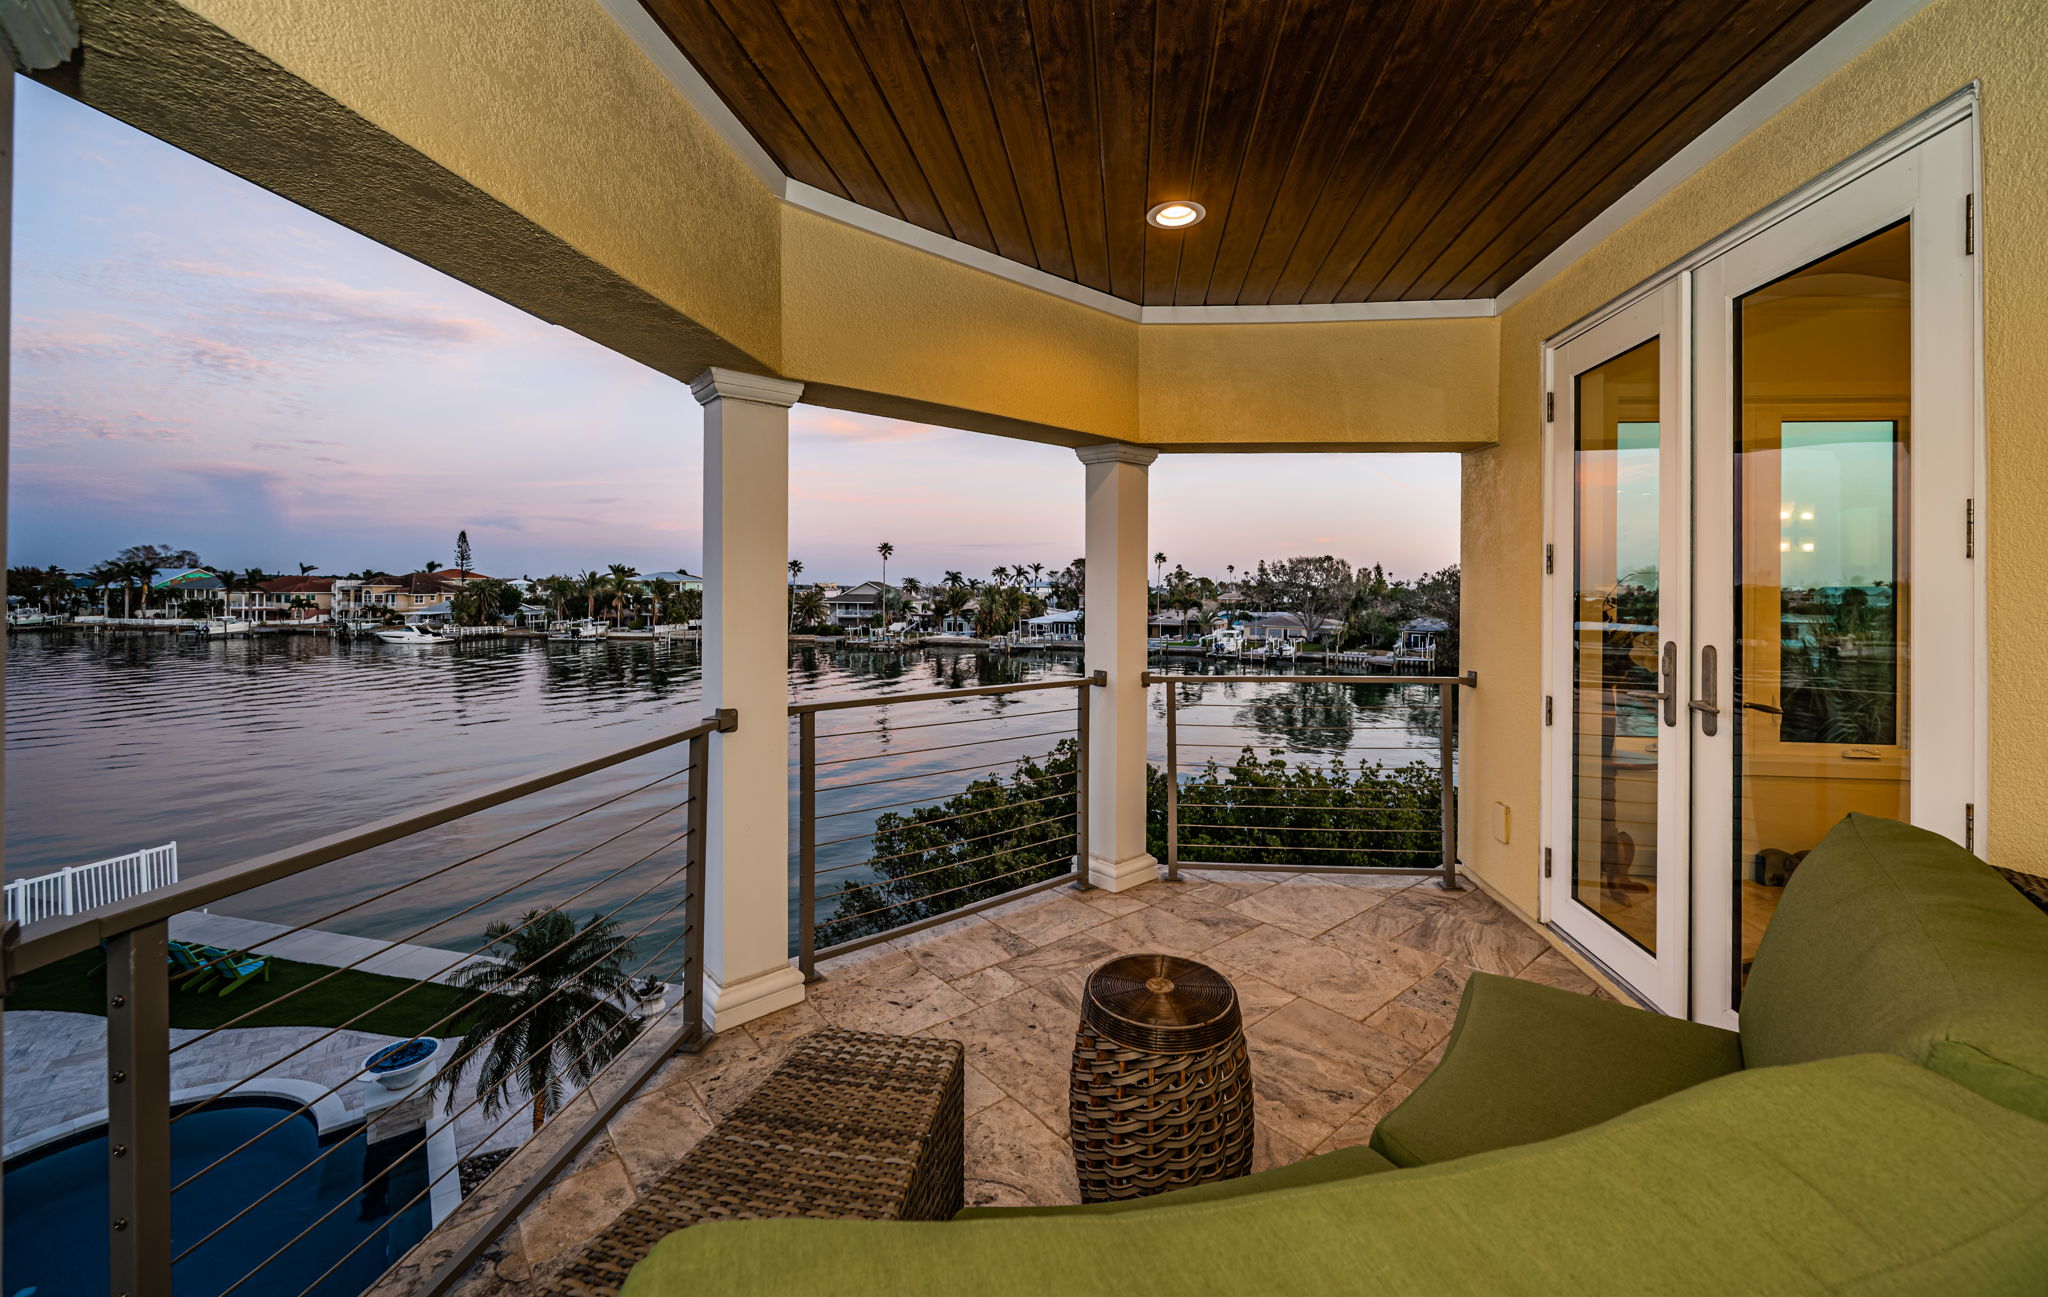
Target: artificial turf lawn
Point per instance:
(79, 985)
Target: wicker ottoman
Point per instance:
(1161, 1091)
(853, 1124)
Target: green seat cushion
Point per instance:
(1863, 1176)
(1890, 938)
(1528, 1062)
(1341, 1164)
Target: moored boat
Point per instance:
(587, 630)
(409, 635)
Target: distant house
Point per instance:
(1060, 623)
(1171, 624)
(959, 623)
(858, 606)
(1284, 626)
(680, 580)
(274, 599)
(374, 598)
(1417, 639)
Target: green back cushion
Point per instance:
(1861, 1176)
(1890, 938)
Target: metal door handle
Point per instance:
(1708, 703)
(1670, 690)
(1765, 708)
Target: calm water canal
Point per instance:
(231, 749)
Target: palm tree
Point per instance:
(546, 1011)
(887, 551)
(592, 585)
(559, 590)
(660, 591)
(1159, 568)
(431, 565)
(1036, 570)
(622, 578)
(307, 567)
(796, 568)
(808, 608)
(999, 574)
(953, 580)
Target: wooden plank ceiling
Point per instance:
(1346, 150)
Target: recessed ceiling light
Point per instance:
(1177, 215)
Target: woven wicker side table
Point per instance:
(854, 1124)
(1161, 1091)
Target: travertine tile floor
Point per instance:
(1348, 986)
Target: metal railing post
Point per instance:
(1172, 786)
(807, 845)
(1447, 720)
(139, 1112)
(697, 874)
(1084, 706)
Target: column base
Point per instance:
(1122, 875)
(751, 997)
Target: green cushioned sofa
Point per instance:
(1878, 1126)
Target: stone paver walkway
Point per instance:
(1348, 987)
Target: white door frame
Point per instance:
(1930, 184)
(1947, 368)
(1659, 978)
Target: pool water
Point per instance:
(56, 1210)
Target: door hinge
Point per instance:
(1969, 826)
(1546, 709)
(1546, 862)
(1970, 528)
(1969, 225)
(1550, 407)
(1549, 559)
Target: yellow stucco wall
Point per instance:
(2003, 44)
(1390, 384)
(548, 107)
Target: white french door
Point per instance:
(1837, 617)
(1620, 493)
(1795, 633)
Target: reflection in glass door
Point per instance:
(1619, 887)
(1824, 396)
(1616, 648)
(1838, 599)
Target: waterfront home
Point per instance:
(1416, 640)
(1177, 624)
(1056, 624)
(1667, 278)
(284, 598)
(859, 605)
(680, 580)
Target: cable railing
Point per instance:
(920, 827)
(559, 944)
(1302, 806)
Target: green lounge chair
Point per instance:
(233, 970)
(192, 964)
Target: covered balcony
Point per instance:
(1716, 853)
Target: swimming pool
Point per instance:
(56, 1209)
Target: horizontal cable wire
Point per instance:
(1003, 806)
(445, 1019)
(932, 797)
(943, 747)
(1281, 846)
(440, 922)
(469, 859)
(918, 851)
(1262, 828)
(458, 1063)
(429, 1186)
(965, 720)
(928, 774)
(867, 914)
(1349, 747)
(953, 864)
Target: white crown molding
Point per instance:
(1856, 34)
(716, 384)
(1116, 452)
(1828, 55)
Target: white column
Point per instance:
(747, 970)
(1114, 602)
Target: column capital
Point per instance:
(1116, 452)
(716, 384)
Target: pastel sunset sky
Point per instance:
(200, 363)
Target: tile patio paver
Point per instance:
(1343, 1022)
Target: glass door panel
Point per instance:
(1620, 603)
(1616, 643)
(1823, 397)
